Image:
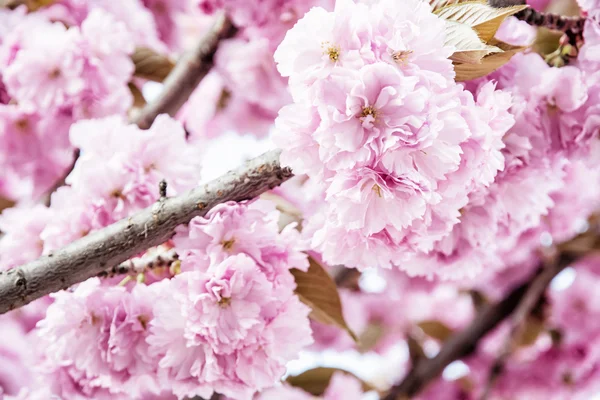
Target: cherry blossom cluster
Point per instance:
(245, 89)
(228, 322)
(53, 76)
(445, 194)
(399, 148)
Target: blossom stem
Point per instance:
(98, 251)
(464, 343)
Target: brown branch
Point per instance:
(531, 298)
(551, 21)
(464, 343)
(187, 74)
(533, 17)
(97, 252)
(178, 86)
(142, 264)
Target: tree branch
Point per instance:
(530, 299)
(551, 21)
(464, 343)
(187, 74)
(97, 252)
(534, 17)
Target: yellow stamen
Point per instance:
(377, 189)
(401, 57)
(228, 244)
(369, 111)
(332, 51)
(143, 321)
(225, 301)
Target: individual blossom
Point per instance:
(165, 16)
(46, 70)
(215, 108)
(248, 69)
(99, 333)
(34, 150)
(322, 41)
(251, 229)
(21, 228)
(70, 68)
(269, 19)
(228, 330)
(138, 20)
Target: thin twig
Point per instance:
(547, 20)
(551, 21)
(92, 254)
(527, 304)
(465, 342)
(187, 74)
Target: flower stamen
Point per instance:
(225, 302)
(377, 189)
(228, 244)
(369, 111)
(332, 51)
(401, 56)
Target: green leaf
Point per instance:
(315, 381)
(436, 329)
(480, 16)
(316, 289)
(151, 65)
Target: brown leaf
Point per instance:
(316, 289)
(315, 381)
(580, 245)
(32, 5)
(489, 64)
(529, 332)
(480, 16)
(370, 336)
(138, 98)
(436, 329)
(151, 65)
(468, 46)
(5, 203)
